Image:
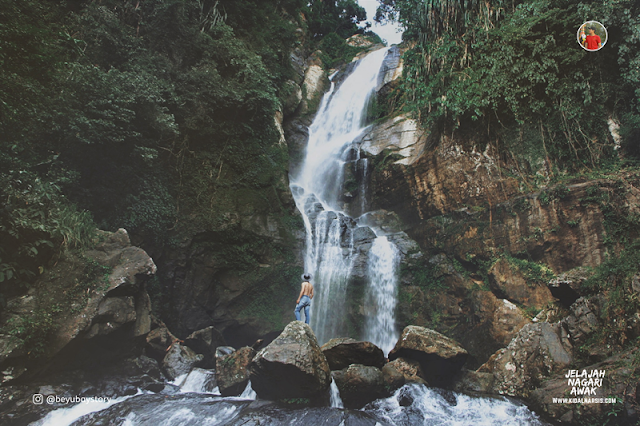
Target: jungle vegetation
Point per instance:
(154, 115)
(512, 74)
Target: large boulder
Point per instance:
(440, 357)
(232, 372)
(533, 355)
(113, 313)
(205, 342)
(292, 366)
(410, 370)
(359, 385)
(179, 360)
(159, 340)
(393, 377)
(473, 381)
(99, 304)
(344, 351)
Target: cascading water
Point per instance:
(380, 296)
(317, 190)
(334, 396)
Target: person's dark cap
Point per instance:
(306, 277)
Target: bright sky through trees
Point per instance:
(388, 31)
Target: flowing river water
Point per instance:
(195, 403)
(331, 254)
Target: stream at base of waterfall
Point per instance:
(192, 402)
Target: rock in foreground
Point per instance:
(205, 342)
(179, 360)
(232, 372)
(292, 366)
(359, 385)
(440, 357)
(344, 351)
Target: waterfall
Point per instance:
(318, 190)
(248, 392)
(199, 380)
(380, 295)
(335, 400)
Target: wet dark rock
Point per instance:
(405, 399)
(292, 366)
(155, 387)
(392, 61)
(363, 234)
(159, 340)
(205, 342)
(179, 360)
(387, 221)
(408, 248)
(232, 372)
(359, 385)
(393, 377)
(439, 356)
(410, 370)
(344, 351)
(473, 381)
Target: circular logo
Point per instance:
(592, 36)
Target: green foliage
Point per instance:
(514, 72)
(145, 107)
(335, 16)
(36, 222)
(32, 330)
(336, 51)
(266, 300)
(613, 279)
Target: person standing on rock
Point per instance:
(304, 299)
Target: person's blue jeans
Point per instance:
(305, 302)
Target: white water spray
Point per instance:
(380, 296)
(335, 400)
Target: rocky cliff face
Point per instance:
(241, 274)
(504, 263)
(88, 310)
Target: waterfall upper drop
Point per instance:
(334, 242)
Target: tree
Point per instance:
(339, 16)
